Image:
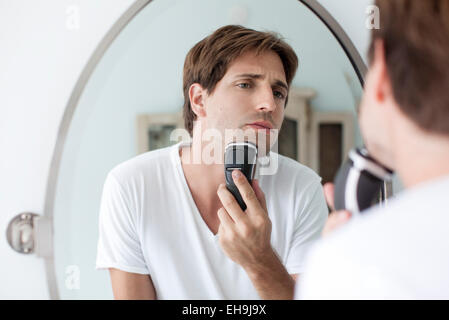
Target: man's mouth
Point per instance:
(261, 125)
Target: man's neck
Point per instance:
(203, 179)
(422, 158)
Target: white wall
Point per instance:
(40, 61)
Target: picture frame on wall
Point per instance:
(154, 130)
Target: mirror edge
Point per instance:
(84, 77)
(343, 39)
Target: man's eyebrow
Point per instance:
(259, 76)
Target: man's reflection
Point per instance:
(169, 228)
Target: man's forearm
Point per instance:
(271, 279)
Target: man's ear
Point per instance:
(381, 79)
(197, 95)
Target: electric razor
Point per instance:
(359, 181)
(241, 156)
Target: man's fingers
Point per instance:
(328, 189)
(247, 192)
(225, 220)
(230, 204)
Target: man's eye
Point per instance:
(279, 94)
(243, 85)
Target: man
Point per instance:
(400, 251)
(169, 228)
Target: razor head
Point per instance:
(359, 182)
(239, 156)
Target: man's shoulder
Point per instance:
(143, 164)
(389, 243)
(290, 170)
(384, 230)
(337, 260)
(401, 218)
(398, 241)
(362, 231)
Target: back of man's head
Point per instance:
(415, 34)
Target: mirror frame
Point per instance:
(319, 11)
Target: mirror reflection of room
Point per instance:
(134, 100)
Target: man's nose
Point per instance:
(266, 100)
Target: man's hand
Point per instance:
(244, 236)
(336, 218)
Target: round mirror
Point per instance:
(133, 100)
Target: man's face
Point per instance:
(253, 89)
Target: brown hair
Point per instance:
(207, 62)
(416, 41)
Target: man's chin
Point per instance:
(261, 138)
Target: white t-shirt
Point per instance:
(149, 224)
(400, 251)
